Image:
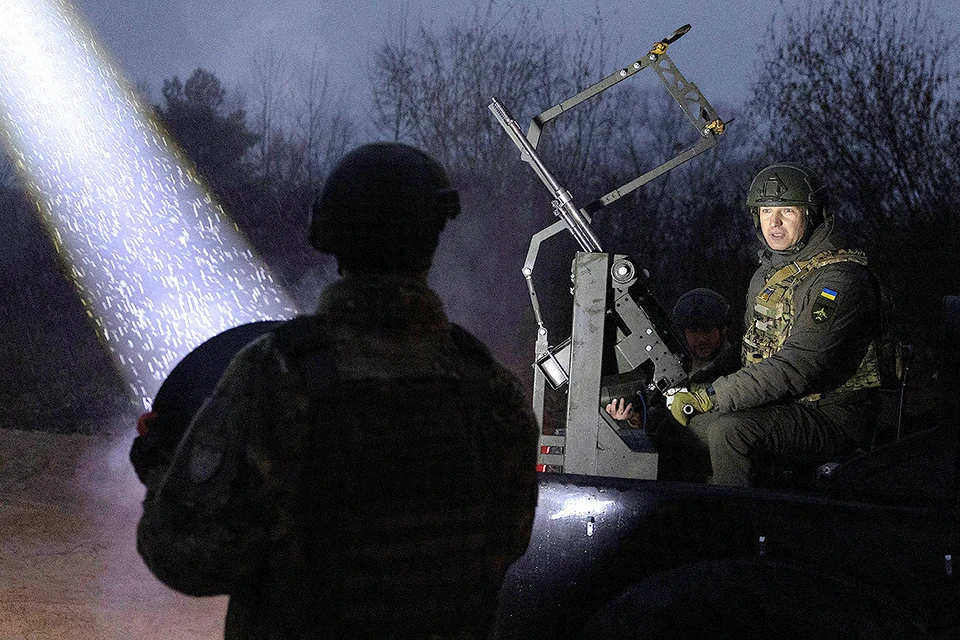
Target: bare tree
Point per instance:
(860, 89)
(271, 83)
(432, 88)
(392, 74)
(323, 128)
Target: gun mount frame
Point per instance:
(645, 342)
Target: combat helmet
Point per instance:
(382, 209)
(700, 309)
(788, 184)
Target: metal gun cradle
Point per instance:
(618, 328)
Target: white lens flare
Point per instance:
(157, 263)
(582, 506)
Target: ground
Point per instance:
(69, 568)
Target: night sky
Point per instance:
(153, 41)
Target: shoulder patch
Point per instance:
(824, 305)
(204, 462)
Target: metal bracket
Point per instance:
(644, 344)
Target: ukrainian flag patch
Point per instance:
(824, 305)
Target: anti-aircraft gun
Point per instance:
(865, 552)
(868, 555)
(621, 342)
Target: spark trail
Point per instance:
(157, 262)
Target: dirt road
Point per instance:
(69, 569)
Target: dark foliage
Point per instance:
(215, 141)
(59, 378)
(857, 90)
(860, 91)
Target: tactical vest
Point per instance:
(413, 552)
(773, 316)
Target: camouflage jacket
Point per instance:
(367, 471)
(836, 318)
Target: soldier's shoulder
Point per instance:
(481, 360)
(847, 273)
(302, 334)
(851, 285)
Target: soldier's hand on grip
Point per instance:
(618, 411)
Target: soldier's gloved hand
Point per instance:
(698, 399)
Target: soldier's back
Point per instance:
(407, 487)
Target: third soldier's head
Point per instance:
(701, 314)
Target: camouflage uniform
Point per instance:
(808, 385)
(367, 471)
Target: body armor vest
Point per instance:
(774, 313)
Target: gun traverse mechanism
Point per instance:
(614, 315)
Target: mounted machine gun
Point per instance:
(614, 316)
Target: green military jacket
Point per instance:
(368, 471)
(836, 318)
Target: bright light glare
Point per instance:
(582, 506)
(158, 265)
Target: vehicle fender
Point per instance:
(749, 599)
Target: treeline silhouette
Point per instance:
(859, 91)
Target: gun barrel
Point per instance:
(529, 154)
(573, 217)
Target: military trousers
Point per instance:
(738, 441)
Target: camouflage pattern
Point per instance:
(774, 315)
(797, 354)
(367, 471)
(807, 343)
(807, 389)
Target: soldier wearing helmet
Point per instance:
(364, 471)
(701, 315)
(808, 384)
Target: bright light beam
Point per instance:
(158, 265)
